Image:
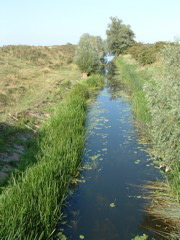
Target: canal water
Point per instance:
(107, 203)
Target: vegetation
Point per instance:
(119, 36)
(134, 82)
(90, 54)
(25, 69)
(31, 202)
(143, 237)
(33, 80)
(146, 53)
(163, 102)
(155, 97)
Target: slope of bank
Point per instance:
(33, 80)
(30, 204)
(155, 99)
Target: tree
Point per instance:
(89, 53)
(119, 36)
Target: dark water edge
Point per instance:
(107, 203)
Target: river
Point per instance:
(107, 203)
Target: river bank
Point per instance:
(154, 96)
(31, 201)
(33, 81)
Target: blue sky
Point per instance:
(56, 22)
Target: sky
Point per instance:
(57, 22)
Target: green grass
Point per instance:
(134, 82)
(31, 203)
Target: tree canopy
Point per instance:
(89, 53)
(119, 36)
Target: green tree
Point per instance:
(119, 36)
(90, 53)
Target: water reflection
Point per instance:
(106, 205)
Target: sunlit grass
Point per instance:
(30, 204)
(134, 82)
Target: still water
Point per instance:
(107, 203)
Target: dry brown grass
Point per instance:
(33, 75)
(164, 208)
(32, 81)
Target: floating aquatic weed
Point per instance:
(81, 237)
(61, 236)
(95, 157)
(143, 237)
(137, 161)
(112, 205)
(104, 149)
(86, 167)
(98, 128)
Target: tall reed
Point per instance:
(155, 101)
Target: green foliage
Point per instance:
(119, 36)
(163, 101)
(143, 237)
(90, 53)
(31, 202)
(144, 54)
(95, 80)
(147, 55)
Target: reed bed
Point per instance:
(155, 98)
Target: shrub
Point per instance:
(144, 54)
(90, 53)
(159, 45)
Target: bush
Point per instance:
(144, 54)
(147, 55)
(90, 53)
(159, 45)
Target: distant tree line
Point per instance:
(91, 50)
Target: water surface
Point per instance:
(107, 204)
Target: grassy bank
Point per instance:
(30, 204)
(33, 80)
(25, 69)
(155, 98)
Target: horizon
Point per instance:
(51, 23)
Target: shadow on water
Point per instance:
(107, 204)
